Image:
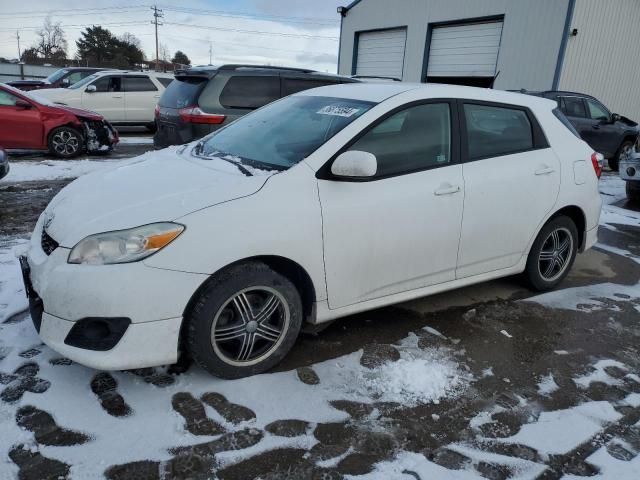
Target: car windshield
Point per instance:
(285, 132)
(57, 75)
(83, 82)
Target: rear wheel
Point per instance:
(633, 191)
(66, 142)
(244, 321)
(552, 254)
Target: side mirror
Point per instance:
(90, 89)
(65, 82)
(355, 163)
(23, 104)
(615, 118)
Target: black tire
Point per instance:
(614, 163)
(65, 142)
(544, 245)
(633, 191)
(215, 308)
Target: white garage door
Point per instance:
(381, 53)
(469, 50)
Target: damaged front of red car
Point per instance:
(30, 122)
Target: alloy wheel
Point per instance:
(65, 142)
(555, 255)
(250, 326)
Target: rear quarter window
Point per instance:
(165, 81)
(250, 92)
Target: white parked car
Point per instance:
(323, 204)
(122, 97)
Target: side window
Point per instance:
(75, 77)
(597, 111)
(413, 139)
(165, 81)
(250, 92)
(573, 107)
(494, 131)
(295, 85)
(139, 84)
(7, 100)
(108, 84)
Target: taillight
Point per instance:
(195, 115)
(156, 112)
(597, 160)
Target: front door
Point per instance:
(20, 126)
(397, 231)
(107, 99)
(511, 184)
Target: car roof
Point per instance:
(134, 72)
(212, 70)
(378, 92)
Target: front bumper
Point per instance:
(151, 299)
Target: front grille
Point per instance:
(48, 243)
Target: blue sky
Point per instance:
(279, 32)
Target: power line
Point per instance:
(65, 11)
(253, 32)
(255, 16)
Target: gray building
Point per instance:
(589, 46)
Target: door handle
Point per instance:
(446, 189)
(117, 96)
(545, 171)
(596, 127)
(156, 96)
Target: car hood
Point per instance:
(55, 93)
(78, 112)
(155, 187)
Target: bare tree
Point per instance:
(51, 43)
(130, 39)
(164, 53)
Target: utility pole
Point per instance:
(18, 37)
(157, 13)
(210, 53)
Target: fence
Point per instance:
(14, 71)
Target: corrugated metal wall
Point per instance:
(530, 38)
(603, 60)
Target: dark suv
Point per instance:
(608, 133)
(203, 99)
(63, 78)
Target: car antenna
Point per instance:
(494, 78)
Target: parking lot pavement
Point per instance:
(490, 381)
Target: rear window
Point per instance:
(182, 92)
(250, 92)
(495, 131)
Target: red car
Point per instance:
(29, 122)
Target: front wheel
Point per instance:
(244, 321)
(552, 254)
(66, 142)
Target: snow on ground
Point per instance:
(547, 385)
(135, 141)
(612, 190)
(23, 171)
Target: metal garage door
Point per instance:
(381, 53)
(469, 50)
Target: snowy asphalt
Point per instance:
(485, 382)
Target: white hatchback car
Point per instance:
(122, 97)
(323, 204)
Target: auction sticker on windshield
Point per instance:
(338, 111)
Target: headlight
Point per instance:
(123, 246)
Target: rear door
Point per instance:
(141, 95)
(511, 179)
(108, 99)
(20, 127)
(604, 136)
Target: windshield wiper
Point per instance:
(197, 150)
